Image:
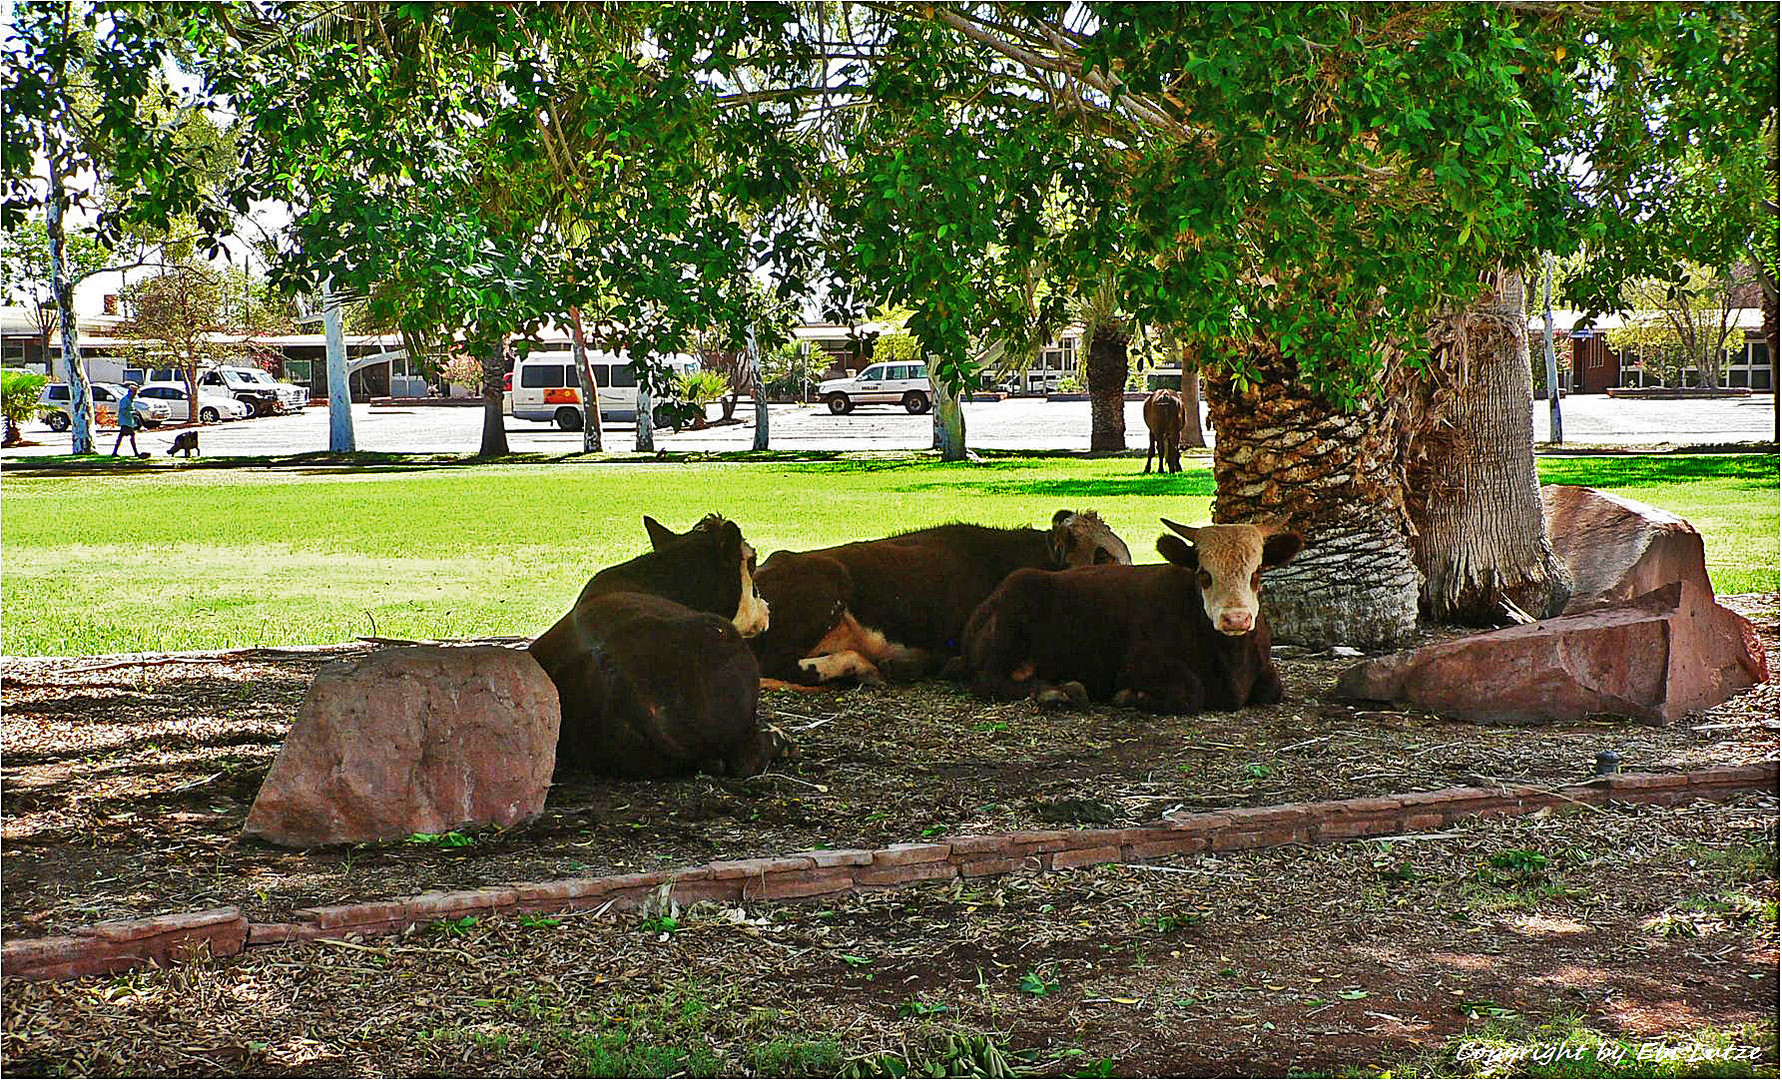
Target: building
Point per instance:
(1597, 367)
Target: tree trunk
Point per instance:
(590, 390)
(494, 424)
(1555, 422)
(1473, 494)
(1282, 451)
(80, 400)
(757, 390)
(1105, 373)
(1770, 306)
(646, 410)
(949, 420)
(1192, 433)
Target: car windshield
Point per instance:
(259, 377)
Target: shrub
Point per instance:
(18, 399)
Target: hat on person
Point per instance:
(133, 384)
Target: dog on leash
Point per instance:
(186, 441)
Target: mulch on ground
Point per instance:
(126, 784)
(1645, 924)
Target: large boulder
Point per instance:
(1615, 549)
(411, 740)
(1654, 658)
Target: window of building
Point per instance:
(298, 371)
(1061, 355)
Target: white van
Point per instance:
(545, 387)
(903, 382)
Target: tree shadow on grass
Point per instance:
(1197, 484)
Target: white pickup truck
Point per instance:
(255, 389)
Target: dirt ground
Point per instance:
(1630, 930)
(126, 784)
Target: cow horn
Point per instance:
(1186, 532)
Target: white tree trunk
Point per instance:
(80, 399)
(590, 390)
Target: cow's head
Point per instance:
(715, 569)
(1084, 540)
(1229, 561)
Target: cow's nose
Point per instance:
(1236, 622)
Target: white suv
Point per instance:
(902, 382)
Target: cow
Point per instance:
(1179, 637)
(1164, 418)
(651, 666)
(899, 604)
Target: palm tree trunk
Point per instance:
(1473, 494)
(1105, 373)
(1283, 451)
(494, 424)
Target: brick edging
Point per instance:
(220, 932)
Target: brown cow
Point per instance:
(651, 667)
(903, 600)
(1179, 637)
(1164, 418)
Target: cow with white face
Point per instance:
(652, 672)
(1182, 636)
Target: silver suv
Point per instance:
(56, 397)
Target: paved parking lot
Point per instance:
(1024, 424)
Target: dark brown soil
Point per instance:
(126, 784)
(1641, 924)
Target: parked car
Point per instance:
(56, 397)
(212, 406)
(901, 382)
(544, 386)
(258, 390)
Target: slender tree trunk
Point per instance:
(1555, 426)
(1770, 306)
(1105, 373)
(757, 390)
(1282, 451)
(1473, 494)
(80, 400)
(494, 423)
(590, 390)
(646, 409)
(1192, 433)
(949, 420)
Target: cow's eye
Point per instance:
(1205, 579)
(1103, 555)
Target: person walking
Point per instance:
(127, 420)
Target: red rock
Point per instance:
(413, 740)
(1616, 549)
(1655, 658)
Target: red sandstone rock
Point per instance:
(1655, 658)
(1615, 549)
(412, 740)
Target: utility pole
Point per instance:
(340, 402)
(1556, 431)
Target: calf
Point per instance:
(651, 667)
(1164, 418)
(1179, 637)
(898, 602)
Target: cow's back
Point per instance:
(920, 588)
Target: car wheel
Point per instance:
(915, 402)
(568, 419)
(209, 415)
(839, 404)
(57, 421)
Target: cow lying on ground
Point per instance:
(1164, 419)
(1180, 637)
(651, 666)
(899, 603)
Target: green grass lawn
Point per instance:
(103, 561)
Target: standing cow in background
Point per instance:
(1164, 419)
(901, 602)
(651, 666)
(1178, 637)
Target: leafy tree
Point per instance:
(1674, 328)
(30, 276)
(19, 391)
(183, 311)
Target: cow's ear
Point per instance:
(660, 535)
(730, 538)
(1279, 548)
(1061, 517)
(1178, 551)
